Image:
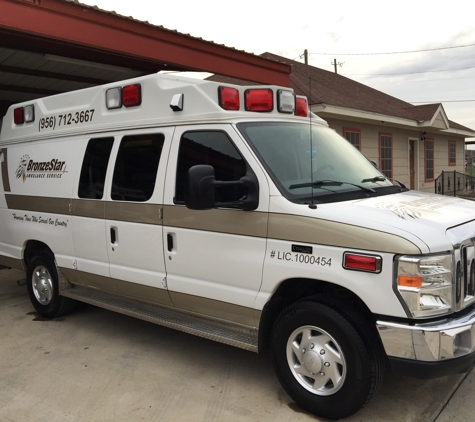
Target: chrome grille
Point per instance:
(465, 274)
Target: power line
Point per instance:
(441, 101)
(408, 73)
(394, 52)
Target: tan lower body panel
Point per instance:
(215, 309)
(6, 261)
(211, 328)
(123, 288)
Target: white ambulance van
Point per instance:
(234, 214)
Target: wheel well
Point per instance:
(294, 290)
(33, 247)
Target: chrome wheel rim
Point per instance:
(316, 360)
(42, 284)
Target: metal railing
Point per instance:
(453, 183)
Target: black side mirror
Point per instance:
(199, 189)
(201, 184)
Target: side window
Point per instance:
(136, 167)
(94, 168)
(215, 149)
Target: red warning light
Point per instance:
(132, 95)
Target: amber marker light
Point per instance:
(409, 281)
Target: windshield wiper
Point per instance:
(319, 183)
(374, 179)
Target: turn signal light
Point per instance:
(259, 100)
(369, 263)
(409, 281)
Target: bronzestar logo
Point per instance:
(21, 170)
(30, 169)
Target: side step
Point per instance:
(231, 334)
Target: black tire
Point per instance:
(43, 288)
(329, 363)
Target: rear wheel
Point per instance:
(43, 288)
(330, 363)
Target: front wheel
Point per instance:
(43, 288)
(330, 363)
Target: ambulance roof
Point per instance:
(147, 101)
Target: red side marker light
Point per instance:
(259, 100)
(369, 263)
(18, 116)
(132, 95)
(228, 98)
(301, 106)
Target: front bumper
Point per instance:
(430, 349)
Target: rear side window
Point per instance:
(136, 167)
(217, 150)
(94, 168)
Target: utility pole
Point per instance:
(305, 56)
(335, 64)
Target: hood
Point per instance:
(424, 215)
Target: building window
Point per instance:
(452, 153)
(386, 154)
(353, 136)
(429, 159)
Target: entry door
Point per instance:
(88, 207)
(214, 258)
(133, 214)
(412, 164)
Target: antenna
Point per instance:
(312, 205)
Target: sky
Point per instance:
(418, 51)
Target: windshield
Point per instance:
(310, 161)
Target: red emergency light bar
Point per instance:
(127, 96)
(228, 98)
(24, 114)
(301, 106)
(259, 100)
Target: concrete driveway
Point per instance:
(96, 365)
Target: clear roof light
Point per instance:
(285, 101)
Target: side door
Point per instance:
(133, 213)
(214, 258)
(91, 264)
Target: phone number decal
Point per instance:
(67, 119)
(301, 258)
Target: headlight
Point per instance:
(425, 284)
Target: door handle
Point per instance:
(169, 242)
(113, 235)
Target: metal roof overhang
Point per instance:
(52, 46)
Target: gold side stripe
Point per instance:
(135, 212)
(6, 180)
(38, 204)
(244, 223)
(292, 228)
(295, 228)
(89, 208)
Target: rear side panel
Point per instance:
(37, 181)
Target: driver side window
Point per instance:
(213, 148)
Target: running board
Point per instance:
(227, 333)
